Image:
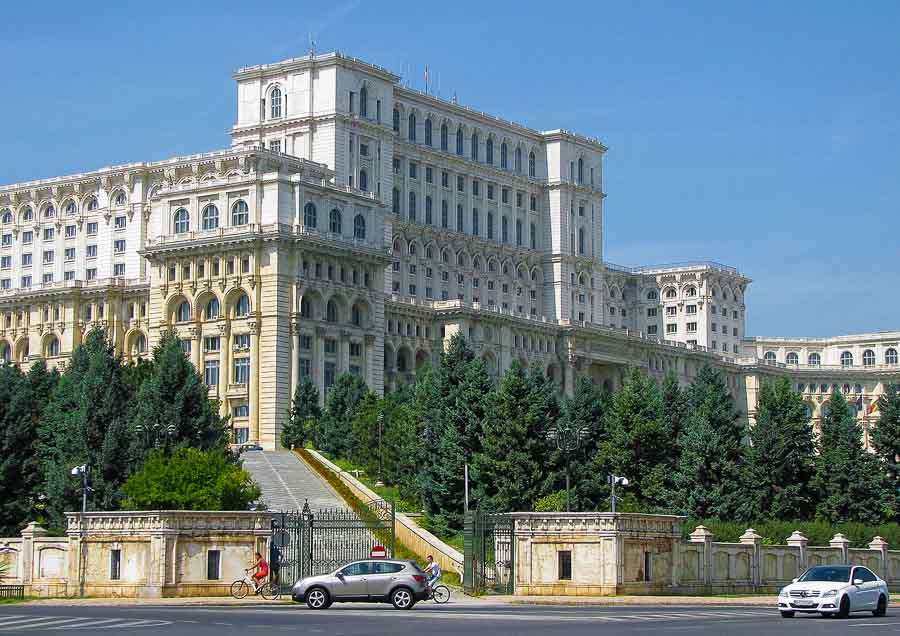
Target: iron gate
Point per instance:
(308, 543)
(489, 546)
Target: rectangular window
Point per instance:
(671, 311)
(211, 343)
(186, 347)
(70, 231)
(27, 237)
(715, 326)
(118, 269)
(412, 290)
(460, 184)
(213, 565)
(565, 565)
(121, 222)
(242, 370)
(329, 374)
(305, 367)
(648, 566)
(429, 174)
(490, 192)
(7, 240)
(48, 278)
(26, 282)
(355, 349)
(651, 330)
(671, 328)
(330, 345)
(305, 342)
(26, 260)
(69, 254)
(275, 145)
(518, 199)
(5, 262)
(211, 373)
(651, 312)
(413, 170)
(692, 327)
(445, 179)
(90, 274)
(429, 292)
(533, 203)
(734, 332)
(115, 565)
(242, 342)
(92, 228)
(475, 187)
(48, 233)
(119, 246)
(92, 251)
(690, 309)
(69, 275)
(396, 165)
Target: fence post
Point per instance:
(841, 542)
(799, 541)
(750, 537)
(881, 546)
(703, 535)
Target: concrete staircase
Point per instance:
(286, 481)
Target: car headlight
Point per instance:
(783, 592)
(830, 593)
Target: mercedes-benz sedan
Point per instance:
(835, 590)
(401, 583)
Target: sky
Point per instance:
(763, 135)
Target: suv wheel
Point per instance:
(317, 598)
(402, 598)
(844, 610)
(881, 609)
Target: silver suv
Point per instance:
(402, 583)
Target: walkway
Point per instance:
(286, 481)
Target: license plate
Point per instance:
(804, 603)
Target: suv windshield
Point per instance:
(827, 573)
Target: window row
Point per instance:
(47, 278)
(48, 211)
(49, 233)
(335, 221)
(815, 359)
(490, 189)
(209, 217)
(212, 309)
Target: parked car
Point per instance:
(835, 590)
(401, 583)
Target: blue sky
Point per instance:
(765, 135)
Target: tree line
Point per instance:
(685, 450)
(117, 418)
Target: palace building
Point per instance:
(354, 225)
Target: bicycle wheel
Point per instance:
(270, 591)
(240, 589)
(441, 594)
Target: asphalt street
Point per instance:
(428, 619)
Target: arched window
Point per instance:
(334, 221)
(890, 356)
(309, 215)
(671, 293)
(518, 160)
(459, 218)
(846, 359)
(305, 308)
(395, 201)
(474, 149)
(275, 103)
(240, 213)
(49, 212)
(363, 181)
(356, 315)
(428, 211)
(445, 220)
(868, 358)
(533, 236)
(182, 221)
(580, 170)
(5, 352)
(210, 217)
(792, 358)
(212, 309)
(489, 151)
(53, 347)
(814, 360)
(120, 198)
(364, 102)
(183, 312)
(445, 143)
(690, 292)
(359, 227)
(427, 132)
(459, 142)
(411, 132)
(92, 204)
(7, 217)
(769, 357)
(27, 215)
(581, 240)
(652, 295)
(490, 225)
(411, 209)
(140, 344)
(71, 208)
(242, 306)
(411, 248)
(845, 389)
(503, 159)
(331, 311)
(531, 165)
(396, 120)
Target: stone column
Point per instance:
(571, 366)
(344, 352)
(194, 335)
(797, 540)
(370, 359)
(26, 556)
(881, 546)
(319, 363)
(750, 537)
(254, 381)
(295, 356)
(840, 541)
(702, 535)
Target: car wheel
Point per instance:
(402, 598)
(844, 610)
(317, 598)
(787, 614)
(881, 608)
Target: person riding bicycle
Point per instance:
(433, 570)
(261, 570)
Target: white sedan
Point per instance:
(835, 590)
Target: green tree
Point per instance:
(674, 408)
(86, 422)
(710, 448)
(401, 442)
(512, 465)
(582, 411)
(886, 436)
(172, 408)
(304, 415)
(335, 431)
(848, 478)
(779, 462)
(189, 479)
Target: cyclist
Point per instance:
(261, 570)
(433, 570)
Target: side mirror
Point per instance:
(339, 576)
(857, 581)
(794, 580)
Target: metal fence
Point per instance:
(489, 566)
(12, 591)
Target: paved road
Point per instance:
(286, 481)
(469, 618)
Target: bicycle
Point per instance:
(268, 590)
(440, 594)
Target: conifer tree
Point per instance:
(583, 411)
(335, 431)
(303, 416)
(886, 435)
(779, 462)
(848, 478)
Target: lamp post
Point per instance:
(613, 480)
(380, 450)
(84, 471)
(568, 439)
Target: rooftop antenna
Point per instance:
(455, 98)
(426, 79)
(312, 45)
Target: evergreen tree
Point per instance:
(304, 415)
(86, 422)
(848, 478)
(706, 479)
(886, 436)
(364, 432)
(779, 462)
(401, 441)
(172, 408)
(512, 466)
(674, 407)
(582, 411)
(335, 431)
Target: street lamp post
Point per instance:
(613, 480)
(380, 449)
(84, 471)
(568, 439)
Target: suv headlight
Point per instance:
(783, 592)
(830, 593)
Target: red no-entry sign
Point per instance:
(378, 552)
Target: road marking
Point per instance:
(873, 624)
(139, 623)
(90, 623)
(20, 623)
